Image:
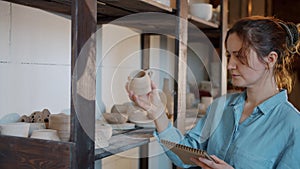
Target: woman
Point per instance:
(257, 128)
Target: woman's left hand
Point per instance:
(208, 164)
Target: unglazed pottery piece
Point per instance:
(115, 118)
(119, 108)
(61, 123)
(140, 82)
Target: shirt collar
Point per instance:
(268, 105)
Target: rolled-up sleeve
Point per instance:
(191, 139)
(174, 135)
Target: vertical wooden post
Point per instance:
(223, 27)
(83, 86)
(145, 46)
(181, 52)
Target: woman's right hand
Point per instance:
(150, 102)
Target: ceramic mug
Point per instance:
(140, 82)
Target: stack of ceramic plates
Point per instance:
(61, 123)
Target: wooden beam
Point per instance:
(51, 6)
(223, 30)
(83, 87)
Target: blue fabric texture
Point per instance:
(268, 139)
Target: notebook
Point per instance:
(184, 152)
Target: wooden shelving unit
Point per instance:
(79, 152)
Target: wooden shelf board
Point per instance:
(201, 23)
(155, 23)
(135, 6)
(59, 6)
(126, 141)
(107, 10)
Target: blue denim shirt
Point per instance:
(268, 139)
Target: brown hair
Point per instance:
(267, 34)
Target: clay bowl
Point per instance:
(115, 118)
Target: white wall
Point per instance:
(34, 50)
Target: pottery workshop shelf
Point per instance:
(201, 23)
(85, 15)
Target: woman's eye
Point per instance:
(227, 54)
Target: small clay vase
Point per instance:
(140, 82)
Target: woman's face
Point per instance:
(244, 75)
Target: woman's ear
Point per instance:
(271, 59)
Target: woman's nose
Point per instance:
(231, 63)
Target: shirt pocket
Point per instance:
(249, 160)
